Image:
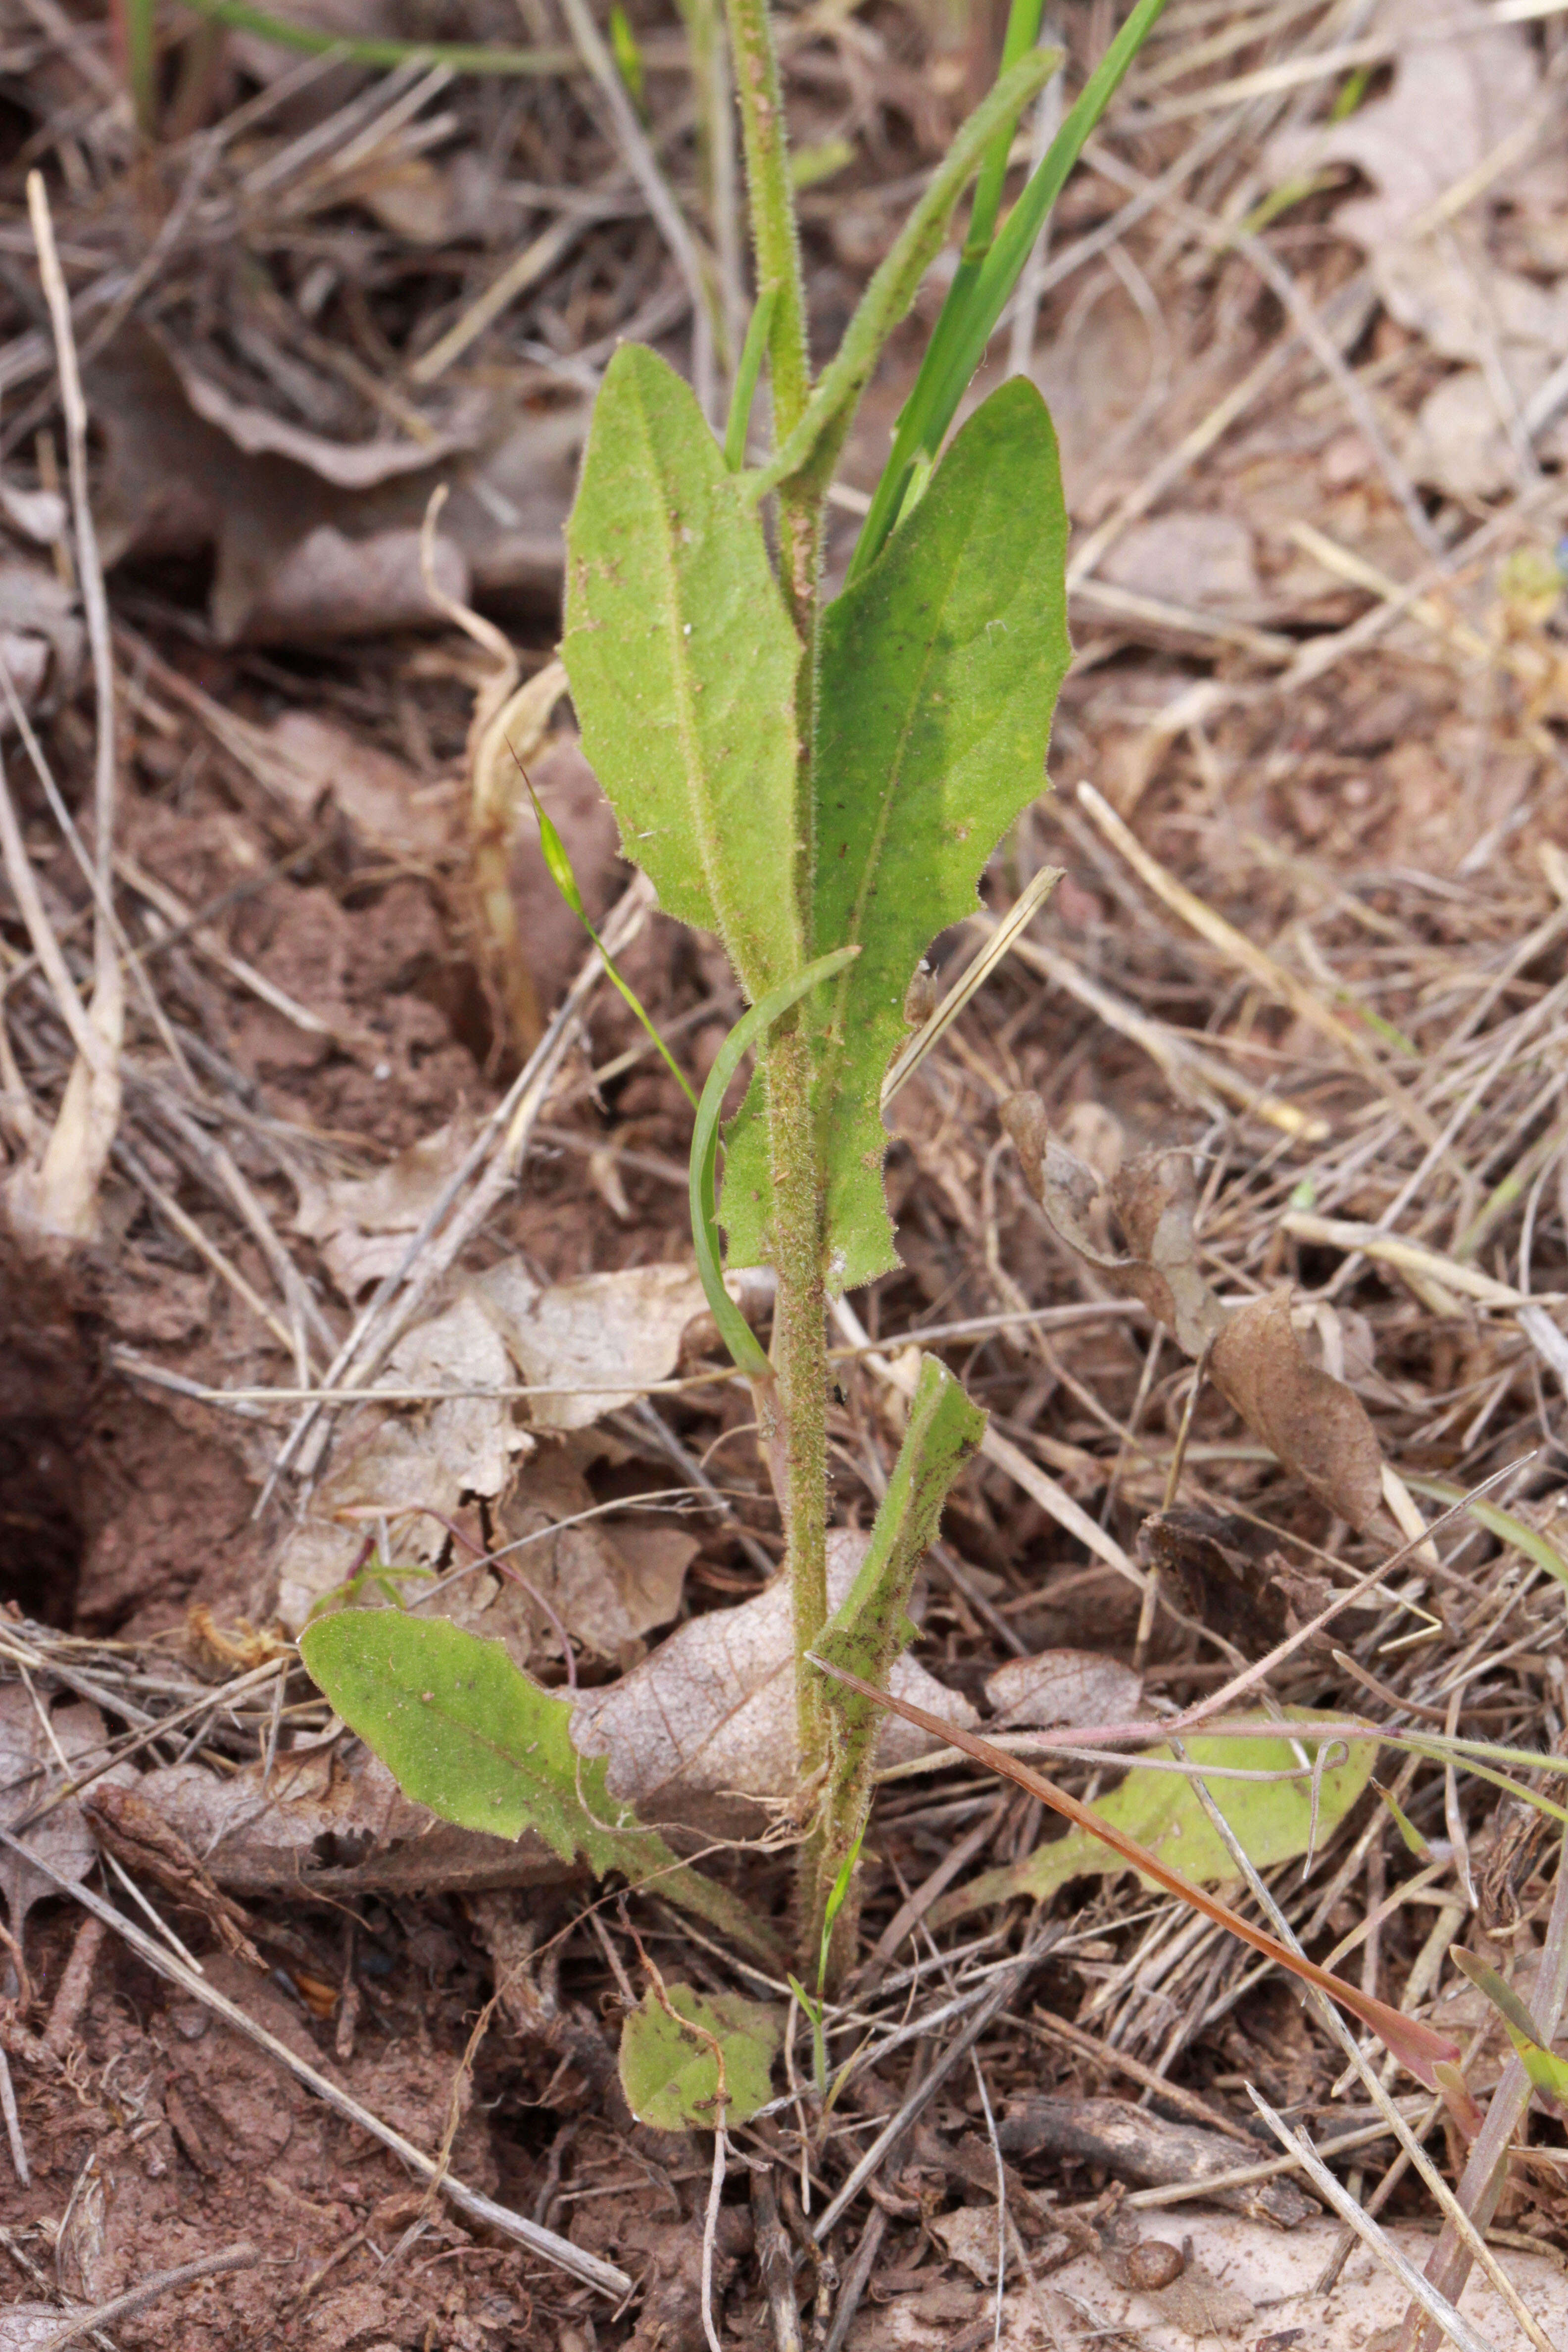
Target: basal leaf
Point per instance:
(465, 1731)
(669, 2072)
(683, 667)
(940, 672)
(1272, 1818)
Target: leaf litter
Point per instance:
(1367, 800)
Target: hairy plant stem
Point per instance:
(800, 1314)
(775, 243)
(800, 1358)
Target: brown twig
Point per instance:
(240, 2257)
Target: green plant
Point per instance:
(820, 783)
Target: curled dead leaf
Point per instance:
(1316, 1426)
(1156, 1197)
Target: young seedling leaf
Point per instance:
(683, 667)
(1546, 2071)
(1417, 2046)
(465, 1731)
(938, 677)
(669, 2065)
(1414, 1841)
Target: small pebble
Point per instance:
(1153, 2263)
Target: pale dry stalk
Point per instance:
(54, 1199)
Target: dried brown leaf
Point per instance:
(364, 1223)
(1316, 1425)
(1064, 1687)
(141, 1840)
(30, 1772)
(333, 1819)
(1197, 558)
(385, 803)
(1450, 104)
(1319, 1428)
(502, 1330)
(1155, 1199)
(704, 1730)
(621, 1328)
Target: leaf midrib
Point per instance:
(693, 765)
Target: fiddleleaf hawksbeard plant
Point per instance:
(820, 784)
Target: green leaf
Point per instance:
(1272, 1818)
(1546, 2071)
(669, 2072)
(940, 672)
(870, 1628)
(958, 341)
(683, 667)
(465, 1731)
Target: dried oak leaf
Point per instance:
(1318, 1428)
(607, 1585)
(503, 1329)
(363, 1225)
(313, 539)
(623, 1330)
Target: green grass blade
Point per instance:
(753, 352)
(463, 57)
(893, 288)
(1023, 32)
(734, 1329)
(958, 344)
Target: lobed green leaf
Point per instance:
(1272, 1818)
